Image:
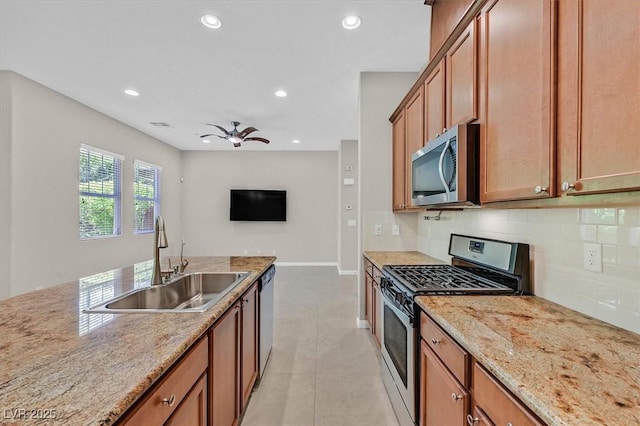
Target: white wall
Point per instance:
(5, 186)
(348, 254)
(308, 236)
(45, 130)
(556, 238)
(380, 94)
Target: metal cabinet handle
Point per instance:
(455, 397)
(472, 420)
(435, 341)
(539, 189)
(169, 401)
(509, 424)
(566, 186)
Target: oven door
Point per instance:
(398, 352)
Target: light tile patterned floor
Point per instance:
(323, 371)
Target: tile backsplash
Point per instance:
(556, 238)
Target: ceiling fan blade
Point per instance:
(243, 134)
(221, 128)
(257, 139)
(206, 136)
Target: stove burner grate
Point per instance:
(443, 278)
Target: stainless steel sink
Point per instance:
(194, 292)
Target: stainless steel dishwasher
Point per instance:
(266, 316)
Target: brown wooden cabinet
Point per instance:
(444, 377)
(444, 401)
(517, 138)
(233, 360)
(399, 163)
(598, 96)
(180, 394)
(373, 296)
(249, 343)
(434, 102)
(497, 404)
(462, 78)
(414, 136)
(449, 388)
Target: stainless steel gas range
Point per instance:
(478, 266)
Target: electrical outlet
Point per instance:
(593, 257)
(395, 229)
(377, 230)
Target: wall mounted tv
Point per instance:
(258, 205)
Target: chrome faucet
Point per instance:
(183, 262)
(160, 242)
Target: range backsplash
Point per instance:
(556, 237)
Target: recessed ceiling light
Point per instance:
(351, 22)
(206, 141)
(131, 92)
(211, 21)
(295, 141)
(281, 93)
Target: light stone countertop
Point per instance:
(89, 369)
(382, 258)
(568, 368)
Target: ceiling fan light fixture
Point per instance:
(351, 22)
(234, 139)
(211, 21)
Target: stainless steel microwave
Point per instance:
(445, 171)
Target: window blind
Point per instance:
(146, 196)
(100, 193)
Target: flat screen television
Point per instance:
(258, 205)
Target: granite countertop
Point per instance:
(90, 368)
(568, 368)
(382, 258)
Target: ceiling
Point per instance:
(188, 75)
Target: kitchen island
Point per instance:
(59, 365)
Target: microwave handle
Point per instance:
(441, 168)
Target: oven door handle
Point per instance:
(407, 320)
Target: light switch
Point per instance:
(351, 222)
(349, 181)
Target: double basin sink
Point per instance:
(195, 292)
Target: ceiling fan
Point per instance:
(235, 136)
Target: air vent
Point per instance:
(159, 124)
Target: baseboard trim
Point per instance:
(360, 323)
(347, 272)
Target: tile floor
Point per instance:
(323, 371)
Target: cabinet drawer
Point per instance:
(173, 388)
(451, 354)
(497, 402)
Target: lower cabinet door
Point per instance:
(249, 343)
(443, 400)
(224, 370)
(193, 410)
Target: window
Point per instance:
(146, 196)
(100, 193)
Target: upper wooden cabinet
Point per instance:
(399, 162)
(462, 78)
(517, 137)
(434, 102)
(598, 96)
(414, 135)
